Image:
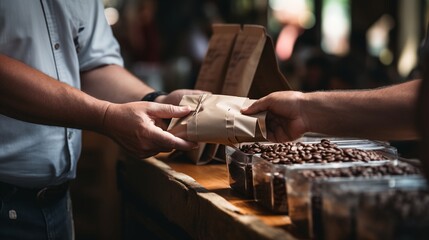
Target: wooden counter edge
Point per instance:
(184, 202)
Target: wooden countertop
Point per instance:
(214, 177)
(199, 200)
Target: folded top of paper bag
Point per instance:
(217, 119)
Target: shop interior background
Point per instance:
(320, 45)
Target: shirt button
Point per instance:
(56, 46)
(70, 135)
(13, 215)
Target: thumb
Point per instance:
(168, 111)
(258, 106)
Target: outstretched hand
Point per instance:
(284, 119)
(133, 126)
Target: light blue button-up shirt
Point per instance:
(60, 38)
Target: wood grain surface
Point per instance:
(198, 200)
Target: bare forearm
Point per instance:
(113, 83)
(30, 95)
(385, 113)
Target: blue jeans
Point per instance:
(24, 218)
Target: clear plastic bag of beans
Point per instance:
(395, 213)
(271, 162)
(269, 185)
(341, 199)
(305, 194)
(239, 166)
(343, 141)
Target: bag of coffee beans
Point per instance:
(305, 195)
(341, 199)
(394, 214)
(272, 161)
(239, 166)
(217, 119)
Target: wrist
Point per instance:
(160, 98)
(155, 95)
(305, 105)
(322, 113)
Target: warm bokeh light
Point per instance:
(292, 17)
(335, 26)
(286, 42)
(377, 35)
(386, 56)
(408, 36)
(112, 15)
(407, 58)
(297, 12)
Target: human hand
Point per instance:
(285, 119)
(133, 126)
(176, 96)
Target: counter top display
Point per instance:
(306, 192)
(191, 202)
(169, 197)
(258, 170)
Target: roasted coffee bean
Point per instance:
(298, 152)
(404, 207)
(387, 169)
(240, 178)
(277, 160)
(279, 193)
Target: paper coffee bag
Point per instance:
(217, 119)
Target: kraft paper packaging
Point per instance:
(217, 119)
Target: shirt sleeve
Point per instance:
(100, 46)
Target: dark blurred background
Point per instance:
(320, 45)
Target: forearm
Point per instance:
(30, 95)
(385, 113)
(113, 83)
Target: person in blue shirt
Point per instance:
(60, 72)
